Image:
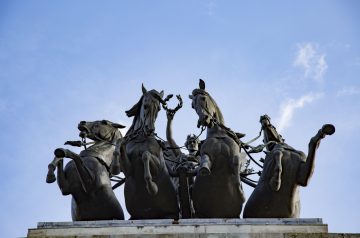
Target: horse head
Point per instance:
(105, 134)
(102, 130)
(146, 111)
(270, 133)
(205, 107)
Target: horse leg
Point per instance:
(235, 167)
(62, 181)
(50, 177)
(85, 175)
(205, 165)
(151, 187)
(306, 169)
(125, 163)
(115, 166)
(275, 180)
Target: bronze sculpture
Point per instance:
(217, 190)
(162, 182)
(285, 169)
(149, 192)
(86, 176)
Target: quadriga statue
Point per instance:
(149, 191)
(285, 169)
(86, 176)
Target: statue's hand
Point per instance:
(170, 114)
(74, 143)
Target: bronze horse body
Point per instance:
(285, 169)
(149, 191)
(217, 190)
(86, 176)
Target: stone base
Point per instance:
(184, 228)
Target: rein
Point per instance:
(235, 138)
(119, 181)
(180, 147)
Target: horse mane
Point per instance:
(115, 135)
(219, 114)
(134, 112)
(218, 111)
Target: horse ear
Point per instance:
(117, 125)
(143, 89)
(162, 94)
(201, 84)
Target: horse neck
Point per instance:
(218, 128)
(218, 114)
(102, 150)
(215, 131)
(139, 122)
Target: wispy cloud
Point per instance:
(311, 61)
(348, 91)
(288, 108)
(211, 6)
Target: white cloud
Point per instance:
(311, 61)
(288, 108)
(348, 91)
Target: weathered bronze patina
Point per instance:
(149, 191)
(217, 190)
(285, 169)
(162, 182)
(87, 176)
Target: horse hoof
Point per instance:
(328, 129)
(50, 178)
(204, 171)
(60, 153)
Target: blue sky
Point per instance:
(66, 61)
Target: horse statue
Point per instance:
(87, 176)
(149, 191)
(217, 190)
(285, 169)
